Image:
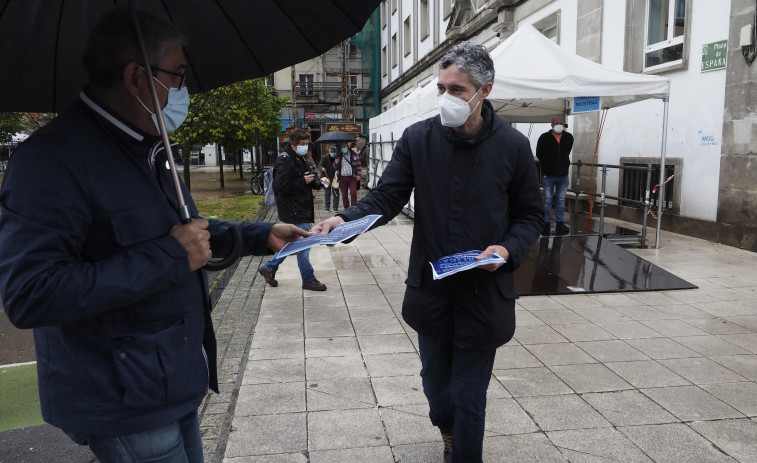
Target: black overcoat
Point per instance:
(468, 194)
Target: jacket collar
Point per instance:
(113, 120)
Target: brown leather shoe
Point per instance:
(314, 285)
(268, 277)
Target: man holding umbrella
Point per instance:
(96, 261)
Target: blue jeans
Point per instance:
(554, 187)
(177, 442)
(303, 260)
(328, 192)
(455, 381)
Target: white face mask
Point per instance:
(455, 111)
(558, 128)
(302, 150)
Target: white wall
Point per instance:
(695, 111)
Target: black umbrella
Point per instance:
(41, 41)
(336, 136)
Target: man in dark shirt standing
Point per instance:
(553, 152)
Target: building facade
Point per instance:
(704, 47)
(337, 90)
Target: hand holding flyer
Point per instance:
(460, 262)
(341, 233)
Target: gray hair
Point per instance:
(472, 59)
(112, 44)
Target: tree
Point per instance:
(10, 124)
(230, 115)
(13, 123)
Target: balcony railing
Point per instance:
(311, 88)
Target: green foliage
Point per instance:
(229, 116)
(10, 124)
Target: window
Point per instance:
(395, 51)
(407, 43)
(550, 27)
(446, 8)
(306, 84)
(384, 15)
(383, 61)
(424, 19)
(354, 83)
(269, 80)
(665, 31)
(394, 6)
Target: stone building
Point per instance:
(704, 47)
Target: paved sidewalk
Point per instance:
(334, 376)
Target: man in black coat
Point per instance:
(294, 182)
(475, 189)
(553, 152)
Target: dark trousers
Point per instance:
(455, 381)
(348, 186)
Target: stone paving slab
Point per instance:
(334, 377)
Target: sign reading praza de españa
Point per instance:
(714, 55)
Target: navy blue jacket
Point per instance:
(122, 327)
(469, 194)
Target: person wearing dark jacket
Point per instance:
(475, 188)
(553, 152)
(361, 143)
(330, 190)
(294, 182)
(96, 261)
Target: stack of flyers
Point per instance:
(340, 233)
(460, 262)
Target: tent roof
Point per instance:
(536, 79)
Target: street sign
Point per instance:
(714, 55)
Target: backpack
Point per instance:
(268, 188)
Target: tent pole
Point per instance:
(661, 191)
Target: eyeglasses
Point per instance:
(182, 75)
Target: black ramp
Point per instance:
(589, 264)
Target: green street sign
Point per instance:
(714, 55)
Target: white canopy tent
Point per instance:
(535, 80)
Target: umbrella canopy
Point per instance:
(336, 136)
(41, 41)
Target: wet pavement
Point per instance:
(664, 376)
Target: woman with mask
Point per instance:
(348, 172)
(326, 166)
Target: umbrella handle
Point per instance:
(236, 253)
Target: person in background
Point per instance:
(348, 173)
(96, 260)
(553, 152)
(294, 182)
(330, 191)
(361, 143)
(475, 188)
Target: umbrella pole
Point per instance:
(183, 209)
